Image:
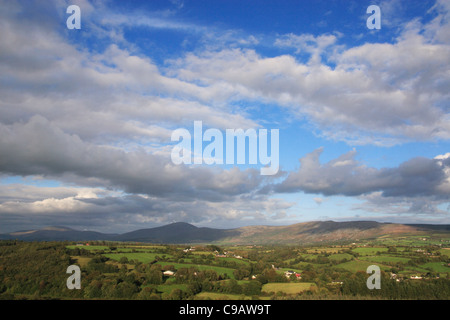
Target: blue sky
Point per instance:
(86, 116)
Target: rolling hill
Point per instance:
(181, 232)
(56, 234)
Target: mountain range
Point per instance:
(181, 232)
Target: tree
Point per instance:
(148, 293)
(154, 276)
(175, 294)
(93, 290)
(251, 288)
(126, 290)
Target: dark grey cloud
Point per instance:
(23, 207)
(99, 118)
(346, 176)
(38, 147)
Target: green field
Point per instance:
(90, 248)
(340, 256)
(416, 240)
(324, 249)
(167, 288)
(303, 265)
(202, 253)
(143, 257)
(282, 270)
(385, 259)
(321, 268)
(82, 261)
(436, 266)
(369, 251)
(221, 296)
(358, 265)
(125, 250)
(238, 261)
(219, 270)
(308, 256)
(288, 288)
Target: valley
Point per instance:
(412, 267)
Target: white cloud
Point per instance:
(374, 94)
(417, 177)
(101, 118)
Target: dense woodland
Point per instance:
(37, 270)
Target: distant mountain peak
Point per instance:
(181, 224)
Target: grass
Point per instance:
(340, 256)
(369, 251)
(385, 259)
(90, 248)
(221, 296)
(148, 246)
(143, 257)
(327, 250)
(308, 256)
(282, 270)
(126, 250)
(436, 266)
(205, 253)
(146, 257)
(303, 265)
(445, 251)
(236, 260)
(359, 265)
(288, 288)
(219, 270)
(167, 288)
(82, 261)
(416, 240)
(413, 270)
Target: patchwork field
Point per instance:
(143, 257)
(203, 271)
(385, 259)
(363, 251)
(288, 288)
(358, 265)
(221, 296)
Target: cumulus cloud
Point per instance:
(119, 185)
(98, 119)
(114, 211)
(315, 46)
(40, 148)
(346, 176)
(103, 96)
(375, 93)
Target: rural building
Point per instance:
(289, 273)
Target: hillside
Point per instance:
(56, 234)
(180, 232)
(322, 231)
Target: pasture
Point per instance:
(289, 288)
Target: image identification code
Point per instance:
(231, 309)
